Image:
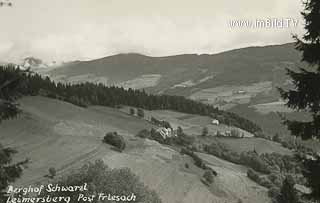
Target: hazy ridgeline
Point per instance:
(85, 94)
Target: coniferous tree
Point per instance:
(132, 111)
(10, 81)
(205, 131)
(306, 92)
(288, 193)
(140, 113)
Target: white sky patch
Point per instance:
(86, 29)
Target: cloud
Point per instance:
(86, 29)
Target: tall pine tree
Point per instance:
(9, 83)
(306, 92)
(288, 193)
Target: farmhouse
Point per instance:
(241, 92)
(166, 132)
(215, 122)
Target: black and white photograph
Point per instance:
(171, 101)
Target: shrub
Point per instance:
(264, 181)
(132, 111)
(208, 176)
(254, 161)
(273, 193)
(179, 131)
(253, 175)
(158, 137)
(261, 180)
(277, 138)
(288, 193)
(115, 140)
(275, 179)
(140, 113)
(205, 131)
(290, 144)
(52, 172)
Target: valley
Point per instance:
(64, 125)
(57, 134)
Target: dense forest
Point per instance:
(85, 94)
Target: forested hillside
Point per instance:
(85, 94)
(185, 74)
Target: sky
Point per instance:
(67, 30)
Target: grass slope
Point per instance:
(58, 134)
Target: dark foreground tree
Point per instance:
(205, 131)
(9, 171)
(306, 92)
(10, 81)
(288, 193)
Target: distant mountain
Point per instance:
(32, 62)
(241, 73)
(38, 65)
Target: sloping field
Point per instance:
(278, 106)
(223, 96)
(190, 123)
(57, 134)
(260, 145)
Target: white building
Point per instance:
(215, 122)
(166, 132)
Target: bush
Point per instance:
(254, 161)
(158, 137)
(264, 181)
(275, 179)
(253, 175)
(115, 140)
(140, 113)
(132, 111)
(101, 179)
(288, 193)
(52, 172)
(180, 131)
(205, 131)
(208, 176)
(273, 193)
(261, 180)
(277, 138)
